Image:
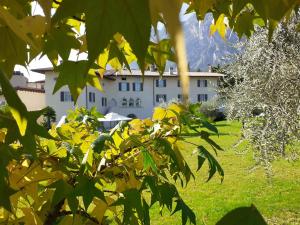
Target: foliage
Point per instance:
(49, 117)
(96, 177)
(38, 174)
(266, 91)
(244, 184)
(118, 32)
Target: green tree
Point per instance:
(263, 91)
(49, 117)
(75, 173)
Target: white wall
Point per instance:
(61, 108)
(32, 100)
(112, 93)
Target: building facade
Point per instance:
(130, 94)
(32, 94)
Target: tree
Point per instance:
(49, 117)
(40, 168)
(265, 95)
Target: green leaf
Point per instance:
(13, 51)
(5, 190)
(116, 53)
(205, 136)
(243, 215)
(98, 144)
(213, 164)
(131, 18)
(149, 161)
(237, 6)
(62, 190)
(186, 212)
(132, 202)
(160, 53)
(16, 106)
(76, 76)
(67, 9)
(244, 24)
(60, 40)
(86, 188)
(210, 127)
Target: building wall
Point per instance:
(61, 108)
(114, 96)
(32, 100)
(18, 81)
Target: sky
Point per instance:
(43, 62)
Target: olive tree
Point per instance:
(263, 90)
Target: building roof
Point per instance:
(37, 81)
(29, 89)
(42, 70)
(134, 72)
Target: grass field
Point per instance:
(278, 199)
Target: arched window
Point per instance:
(132, 116)
(124, 102)
(131, 102)
(138, 102)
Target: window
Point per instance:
(161, 83)
(161, 98)
(137, 86)
(123, 78)
(104, 101)
(179, 97)
(202, 98)
(138, 102)
(65, 96)
(131, 102)
(123, 86)
(124, 102)
(178, 83)
(202, 83)
(92, 97)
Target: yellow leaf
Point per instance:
(20, 119)
(102, 61)
(219, 26)
(98, 209)
(171, 10)
(2, 135)
(30, 29)
(159, 113)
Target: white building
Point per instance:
(31, 93)
(130, 94)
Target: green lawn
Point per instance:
(278, 199)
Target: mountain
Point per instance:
(204, 49)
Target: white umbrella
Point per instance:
(110, 117)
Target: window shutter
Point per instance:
(120, 86)
(128, 87)
(206, 97)
(133, 86)
(205, 83)
(142, 87)
(61, 96)
(156, 82)
(157, 98)
(165, 83)
(198, 83)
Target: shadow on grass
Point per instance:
(210, 133)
